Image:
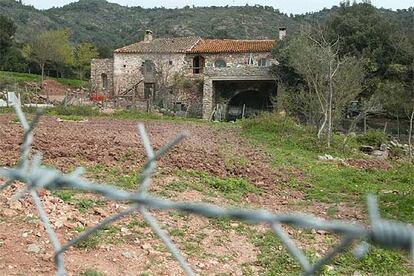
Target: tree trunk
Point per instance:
(410, 136)
(322, 127)
(330, 104)
(42, 67)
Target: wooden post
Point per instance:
(243, 110)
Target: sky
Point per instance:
(285, 6)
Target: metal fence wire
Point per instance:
(380, 232)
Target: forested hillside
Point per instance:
(112, 25)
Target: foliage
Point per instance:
(22, 78)
(372, 138)
(330, 181)
(88, 21)
(84, 53)
(51, 46)
(7, 30)
(328, 82)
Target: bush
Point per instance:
(283, 128)
(372, 138)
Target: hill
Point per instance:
(112, 25)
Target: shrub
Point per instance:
(372, 138)
(283, 128)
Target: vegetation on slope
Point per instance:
(294, 148)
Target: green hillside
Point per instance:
(108, 24)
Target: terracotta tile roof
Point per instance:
(198, 45)
(232, 46)
(161, 45)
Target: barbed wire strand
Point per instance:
(380, 232)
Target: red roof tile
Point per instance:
(232, 46)
(161, 45)
(198, 45)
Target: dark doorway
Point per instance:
(198, 64)
(235, 99)
(248, 103)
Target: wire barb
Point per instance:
(384, 233)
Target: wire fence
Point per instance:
(380, 232)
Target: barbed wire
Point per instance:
(380, 232)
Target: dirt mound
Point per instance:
(370, 164)
(115, 143)
(54, 88)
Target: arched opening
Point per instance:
(220, 63)
(247, 103)
(198, 64)
(104, 79)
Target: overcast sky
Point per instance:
(286, 6)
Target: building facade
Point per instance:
(235, 74)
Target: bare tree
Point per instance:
(333, 80)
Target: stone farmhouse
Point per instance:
(234, 75)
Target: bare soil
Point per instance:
(132, 248)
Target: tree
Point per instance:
(7, 30)
(398, 100)
(328, 82)
(27, 53)
(370, 35)
(84, 53)
(51, 46)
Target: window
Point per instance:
(250, 59)
(104, 78)
(220, 63)
(263, 62)
(198, 64)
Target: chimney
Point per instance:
(148, 37)
(282, 33)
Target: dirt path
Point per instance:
(129, 247)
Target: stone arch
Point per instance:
(248, 102)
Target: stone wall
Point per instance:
(102, 69)
(128, 69)
(125, 72)
(235, 60)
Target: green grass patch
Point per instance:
(137, 223)
(115, 176)
(90, 272)
(73, 118)
(15, 77)
(295, 148)
(275, 260)
(105, 235)
(231, 188)
(65, 195)
(84, 204)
